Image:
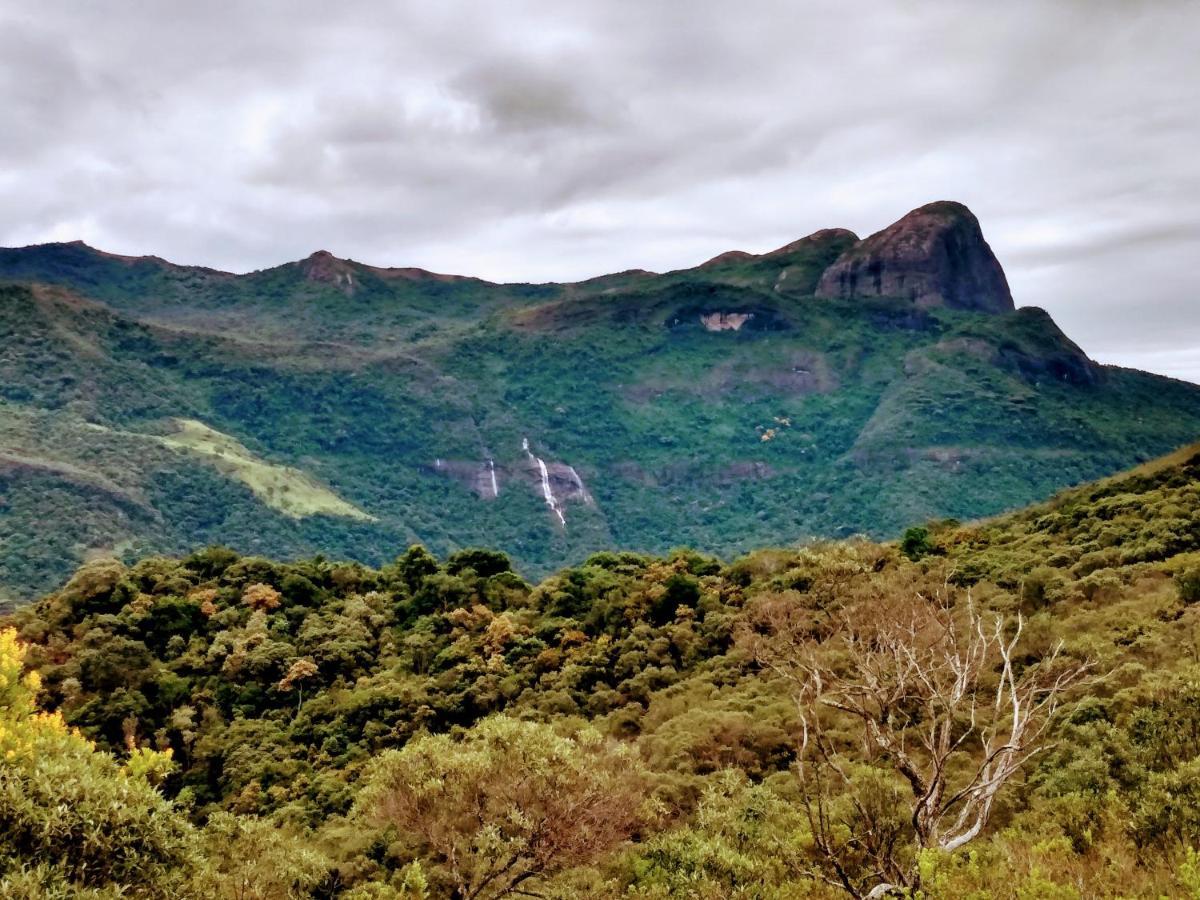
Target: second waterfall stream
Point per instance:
(547, 493)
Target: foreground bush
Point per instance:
(509, 803)
(72, 817)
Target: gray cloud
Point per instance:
(533, 140)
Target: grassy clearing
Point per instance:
(291, 491)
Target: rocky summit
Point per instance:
(934, 256)
(830, 387)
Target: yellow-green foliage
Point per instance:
(289, 490)
(75, 823)
(71, 818)
(483, 700)
(245, 857)
(1150, 515)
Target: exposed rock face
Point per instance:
(482, 477)
(725, 321)
(556, 482)
(564, 481)
(935, 255)
(326, 268)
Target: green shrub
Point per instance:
(1041, 587)
(1187, 583)
(916, 543)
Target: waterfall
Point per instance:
(547, 493)
(492, 472)
(587, 498)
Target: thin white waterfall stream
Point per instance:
(587, 498)
(492, 472)
(546, 492)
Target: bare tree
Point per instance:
(932, 691)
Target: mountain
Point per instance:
(833, 386)
(934, 256)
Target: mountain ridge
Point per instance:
(723, 406)
(9, 259)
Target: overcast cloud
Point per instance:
(557, 140)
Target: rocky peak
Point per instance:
(936, 256)
(827, 237)
(729, 256)
(823, 241)
(325, 268)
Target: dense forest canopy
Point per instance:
(1002, 709)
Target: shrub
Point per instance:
(916, 544)
(1041, 587)
(71, 817)
(1187, 583)
(509, 803)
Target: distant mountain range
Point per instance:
(830, 387)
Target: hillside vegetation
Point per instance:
(740, 403)
(801, 722)
(288, 490)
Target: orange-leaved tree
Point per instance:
(508, 804)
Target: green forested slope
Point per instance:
(641, 690)
(393, 389)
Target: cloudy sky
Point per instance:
(557, 140)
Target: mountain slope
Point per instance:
(738, 403)
(275, 685)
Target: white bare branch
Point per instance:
(940, 695)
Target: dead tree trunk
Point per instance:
(935, 693)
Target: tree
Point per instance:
(484, 563)
(299, 671)
(261, 596)
(736, 846)
(415, 565)
(1187, 583)
(249, 858)
(509, 803)
(916, 543)
(933, 692)
(72, 819)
